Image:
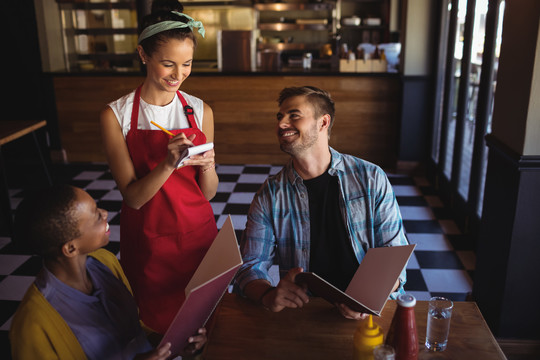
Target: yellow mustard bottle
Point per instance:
(367, 336)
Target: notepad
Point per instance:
(205, 289)
(370, 286)
(193, 150)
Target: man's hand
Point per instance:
(350, 314)
(286, 294)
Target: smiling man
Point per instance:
(320, 213)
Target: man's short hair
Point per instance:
(45, 220)
(320, 100)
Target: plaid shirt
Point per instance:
(278, 223)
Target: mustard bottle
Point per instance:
(367, 336)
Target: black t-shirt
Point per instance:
(331, 255)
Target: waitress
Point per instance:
(166, 223)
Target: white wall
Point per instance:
(416, 48)
(50, 35)
(532, 135)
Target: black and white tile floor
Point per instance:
(442, 264)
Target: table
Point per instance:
(11, 130)
(240, 329)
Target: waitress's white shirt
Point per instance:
(170, 116)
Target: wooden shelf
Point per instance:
(289, 26)
(365, 10)
(111, 31)
(107, 56)
(78, 5)
(101, 31)
(294, 6)
(289, 46)
(363, 27)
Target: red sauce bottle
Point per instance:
(402, 334)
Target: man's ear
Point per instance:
(70, 249)
(325, 123)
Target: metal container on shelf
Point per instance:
(351, 21)
(236, 50)
(270, 60)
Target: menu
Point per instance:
(371, 284)
(205, 289)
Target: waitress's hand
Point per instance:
(176, 146)
(205, 161)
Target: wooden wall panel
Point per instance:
(79, 101)
(366, 125)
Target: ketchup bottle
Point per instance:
(402, 334)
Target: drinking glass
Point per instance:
(438, 323)
(384, 352)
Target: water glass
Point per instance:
(438, 323)
(384, 352)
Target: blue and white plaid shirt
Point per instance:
(278, 223)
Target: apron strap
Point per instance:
(188, 110)
(135, 109)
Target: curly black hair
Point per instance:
(45, 220)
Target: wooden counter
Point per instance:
(366, 125)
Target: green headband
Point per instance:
(169, 25)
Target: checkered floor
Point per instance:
(442, 264)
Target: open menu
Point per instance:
(205, 289)
(193, 150)
(371, 284)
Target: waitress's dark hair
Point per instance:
(45, 220)
(161, 11)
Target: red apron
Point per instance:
(162, 243)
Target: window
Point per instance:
(470, 37)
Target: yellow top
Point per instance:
(38, 331)
(368, 334)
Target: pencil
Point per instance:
(163, 129)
